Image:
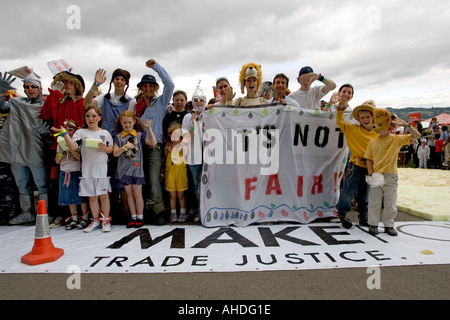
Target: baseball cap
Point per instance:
(304, 70)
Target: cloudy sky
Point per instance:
(394, 52)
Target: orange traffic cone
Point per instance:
(43, 250)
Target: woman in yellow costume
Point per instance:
(250, 78)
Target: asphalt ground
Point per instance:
(422, 282)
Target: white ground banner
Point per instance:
(270, 163)
(194, 248)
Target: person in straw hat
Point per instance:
(358, 136)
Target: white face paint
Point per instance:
(199, 103)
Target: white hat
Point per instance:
(198, 94)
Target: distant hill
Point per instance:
(425, 113)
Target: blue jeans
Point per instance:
(196, 171)
(22, 178)
(153, 158)
(355, 186)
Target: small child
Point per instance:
(95, 145)
(439, 154)
(381, 155)
(128, 145)
(176, 180)
(69, 180)
(423, 153)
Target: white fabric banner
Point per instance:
(194, 248)
(270, 163)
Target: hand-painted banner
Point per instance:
(270, 163)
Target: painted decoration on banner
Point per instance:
(270, 163)
(194, 248)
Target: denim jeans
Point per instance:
(22, 178)
(153, 158)
(196, 172)
(355, 186)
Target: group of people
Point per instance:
(431, 150)
(88, 150)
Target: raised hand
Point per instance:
(58, 86)
(334, 98)
(150, 63)
(5, 82)
(229, 93)
(148, 124)
(100, 77)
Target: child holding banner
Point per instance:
(382, 155)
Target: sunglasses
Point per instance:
(30, 87)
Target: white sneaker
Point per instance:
(106, 225)
(95, 224)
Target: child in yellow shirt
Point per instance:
(176, 180)
(357, 136)
(381, 156)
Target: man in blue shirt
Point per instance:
(151, 106)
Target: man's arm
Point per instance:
(329, 85)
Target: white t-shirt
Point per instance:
(94, 161)
(116, 99)
(291, 102)
(309, 99)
